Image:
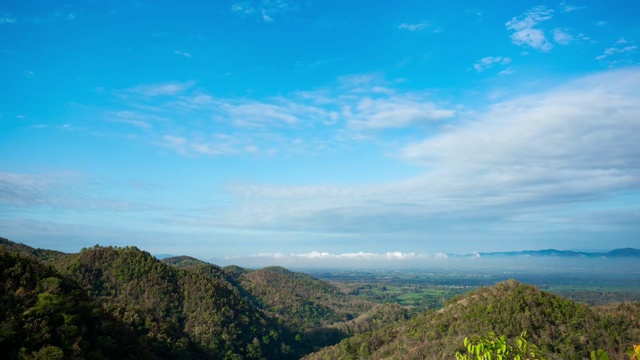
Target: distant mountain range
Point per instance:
(617, 253)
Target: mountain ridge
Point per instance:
(616, 253)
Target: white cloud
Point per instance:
(357, 256)
(255, 113)
(507, 71)
(564, 7)
(61, 190)
(619, 53)
(214, 145)
(534, 38)
(525, 33)
(265, 9)
(393, 112)
(576, 144)
(182, 53)
(137, 119)
(243, 7)
(6, 19)
(161, 89)
(562, 36)
(415, 27)
(488, 62)
(569, 131)
(266, 17)
(48, 18)
(23, 189)
(354, 106)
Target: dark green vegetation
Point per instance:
(499, 347)
(119, 303)
(46, 315)
(563, 329)
(122, 302)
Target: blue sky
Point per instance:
(292, 132)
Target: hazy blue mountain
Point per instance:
(617, 253)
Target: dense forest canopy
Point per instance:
(121, 302)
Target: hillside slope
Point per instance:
(42, 254)
(172, 308)
(303, 301)
(310, 307)
(46, 315)
(562, 328)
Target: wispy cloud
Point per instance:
(267, 10)
(563, 36)
(488, 62)
(51, 17)
(243, 7)
(619, 53)
(572, 145)
(161, 89)
(6, 19)
(525, 32)
(416, 26)
(63, 190)
(564, 7)
(23, 189)
(393, 112)
(212, 145)
(137, 119)
(182, 53)
(355, 104)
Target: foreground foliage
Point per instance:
(495, 347)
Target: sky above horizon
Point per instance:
(294, 132)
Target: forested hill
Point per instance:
(176, 308)
(310, 307)
(562, 328)
(301, 300)
(46, 315)
(42, 254)
(297, 299)
(173, 313)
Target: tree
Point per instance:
(493, 347)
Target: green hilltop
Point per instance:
(563, 329)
